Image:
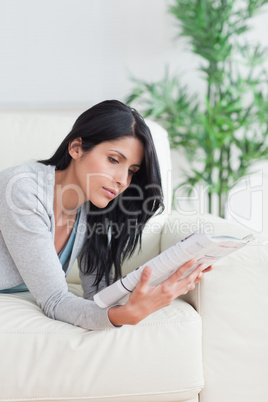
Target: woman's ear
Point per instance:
(75, 148)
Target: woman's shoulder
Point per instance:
(31, 166)
(28, 178)
(26, 184)
(31, 170)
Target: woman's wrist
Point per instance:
(121, 315)
(116, 315)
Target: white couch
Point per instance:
(211, 345)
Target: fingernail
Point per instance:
(146, 271)
(193, 261)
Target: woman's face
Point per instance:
(106, 171)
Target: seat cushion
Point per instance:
(41, 359)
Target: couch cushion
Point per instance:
(43, 359)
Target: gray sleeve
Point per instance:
(26, 230)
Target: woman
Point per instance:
(79, 204)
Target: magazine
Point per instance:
(204, 248)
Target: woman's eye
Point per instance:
(112, 160)
(131, 172)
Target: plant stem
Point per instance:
(210, 203)
(220, 179)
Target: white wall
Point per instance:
(77, 52)
(66, 53)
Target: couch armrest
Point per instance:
(233, 303)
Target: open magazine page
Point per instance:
(205, 249)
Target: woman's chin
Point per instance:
(101, 204)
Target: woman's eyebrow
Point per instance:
(124, 157)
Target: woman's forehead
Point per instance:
(130, 148)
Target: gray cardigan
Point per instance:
(27, 251)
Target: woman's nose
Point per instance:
(122, 177)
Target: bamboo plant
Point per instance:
(226, 130)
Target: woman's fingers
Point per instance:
(197, 275)
(199, 278)
(194, 275)
(144, 279)
(208, 269)
(181, 271)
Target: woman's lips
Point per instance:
(109, 192)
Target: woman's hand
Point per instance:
(145, 299)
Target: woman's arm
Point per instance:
(25, 224)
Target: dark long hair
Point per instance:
(119, 225)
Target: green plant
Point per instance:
(227, 130)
